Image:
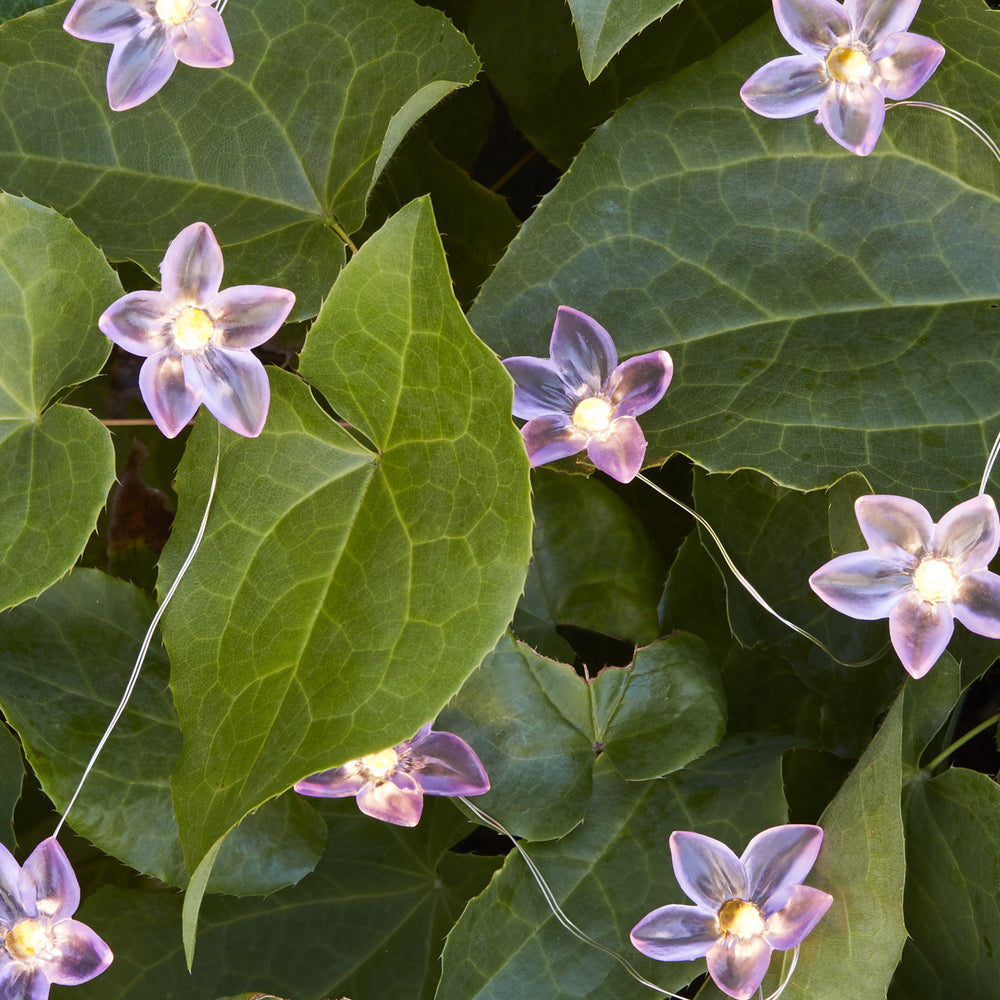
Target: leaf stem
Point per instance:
(342, 233)
(144, 648)
(960, 742)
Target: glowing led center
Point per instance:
(381, 764)
(192, 329)
(848, 65)
(24, 939)
(592, 415)
(174, 11)
(934, 580)
(738, 917)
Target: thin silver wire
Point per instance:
(980, 133)
(582, 935)
(144, 648)
(220, 5)
(748, 586)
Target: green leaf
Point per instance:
(241, 148)
(538, 727)
(594, 565)
(811, 299)
(604, 26)
(86, 630)
(15, 8)
(11, 776)
(855, 947)
(952, 906)
(607, 874)
(57, 461)
(369, 922)
(341, 594)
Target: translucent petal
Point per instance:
(780, 857)
(786, 87)
(675, 933)
(968, 535)
(203, 40)
(11, 904)
(812, 26)
(336, 783)
(890, 522)
(976, 603)
(57, 892)
(738, 965)
(621, 451)
(104, 20)
(920, 632)
(789, 926)
(397, 800)
(638, 384)
(853, 115)
(191, 271)
(706, 869)
(139, 322)
(21, 982)
(447, 765)
(81, 954)
(863, 585)
(236, 392)
(904, 63)
(582, 351)
(538, 388)
(139, 67)
(247, 315)
(549, 438)
(170, 398)
(875, 19)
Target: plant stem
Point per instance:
(961, 741)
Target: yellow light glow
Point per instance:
(193, 329)
(848, 65)
(592, 415)
(25, 939)
(174, 11)
(740, 918)
(934, 580)
(381, 764)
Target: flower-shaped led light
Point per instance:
(580, 397)
(149, 38)
(197, 340)
(853, 56)
(41, 944)
(391, 784)
(918, 574)
(745, 907)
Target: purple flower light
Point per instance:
(918, 574)
(746, 907)
(149, 37)
(391, 784)
(853, 56)
(41, 944)
(580, 397)
(197, 340)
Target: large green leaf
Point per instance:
(277, 152)
(369, 922)
(11, 776)
(538, 727)
(86, 630)
(593, 565)
(604, 26)
(57, 461)
(825, 312)
(342, 594)
(607, 874)
(952, 901)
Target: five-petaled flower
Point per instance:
(391, 784)
(746, 907)
(41, 942)
(853, 56)
(918, 574)
(580, 397)
(197, 340)
(149, 37)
